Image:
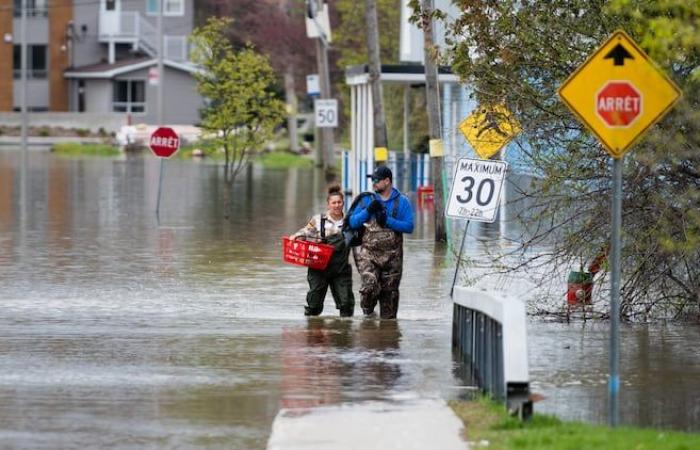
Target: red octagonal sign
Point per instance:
(619, 103)
(164, 142)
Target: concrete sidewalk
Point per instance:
(418, 424)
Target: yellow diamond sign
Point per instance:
(488, 129)
(618, 93)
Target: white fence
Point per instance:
(109, 122)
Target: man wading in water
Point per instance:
(386, 216)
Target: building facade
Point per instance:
(99, 56)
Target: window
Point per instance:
(170, 7)
(110, 5)
(35, 8)
(36, 61)
(129, 96)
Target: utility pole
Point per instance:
(23, 69)
(326, 134)
(434, 129)
(375, 71)
(161, 79)
(159, 27)
(290, 93)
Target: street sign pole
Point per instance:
(459, 258)
(618, 93)
(161, 79)
(160, 185)
(164, 143)
(614, 380)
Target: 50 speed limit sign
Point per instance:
(326, 112)
(476, 189)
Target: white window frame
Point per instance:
(129, 104)
(179, 12)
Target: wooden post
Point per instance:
(434, 129)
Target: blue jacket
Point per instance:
(403, 222)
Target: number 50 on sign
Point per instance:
(326, 112)
(476, 189)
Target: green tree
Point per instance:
(519, 53)
(350, 43)
(242, 109)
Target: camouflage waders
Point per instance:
(379, 261)
(338, 275)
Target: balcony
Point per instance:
(130, 27)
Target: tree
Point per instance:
(275, 28)
(518, 53)
(350, 45)
(423, 13)
(375, 70)
(242, 110)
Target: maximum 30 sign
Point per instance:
(476, 189)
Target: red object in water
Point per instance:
(306, 253)
(425, 194)
(579, 288)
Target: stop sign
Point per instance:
(164, 142)
(619, 103)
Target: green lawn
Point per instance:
(74, 149)
(487, 425)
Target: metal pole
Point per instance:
(24, 163)
(161, 75)
(160, 185)
(161, 79)
(614, 380)
(459, 258)
(23, 69)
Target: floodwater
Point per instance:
(117, 330)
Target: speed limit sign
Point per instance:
(326, 112)
(476, 189)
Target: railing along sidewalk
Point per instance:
(489, 334)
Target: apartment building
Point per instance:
(98, 56)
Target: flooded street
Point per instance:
(118, 331)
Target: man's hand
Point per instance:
(375, 206)
(381, 217)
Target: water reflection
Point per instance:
(123, 333)
(337, 360)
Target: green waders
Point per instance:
(337, 275)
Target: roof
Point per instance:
(397, 73)
(106, 70)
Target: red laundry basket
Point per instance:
(306, 253)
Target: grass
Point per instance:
(74, 148)
(487, 425)
(283, 160)
(270, 160)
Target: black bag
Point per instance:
(353, 238)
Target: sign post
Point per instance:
(475, 195)
(164, 143)
(618, 93)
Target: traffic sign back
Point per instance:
(618, 93)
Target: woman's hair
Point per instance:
(335, 189)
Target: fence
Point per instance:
(490, 339)
(408, 175)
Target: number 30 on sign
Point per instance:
(476, 189)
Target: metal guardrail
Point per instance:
(489, 337)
